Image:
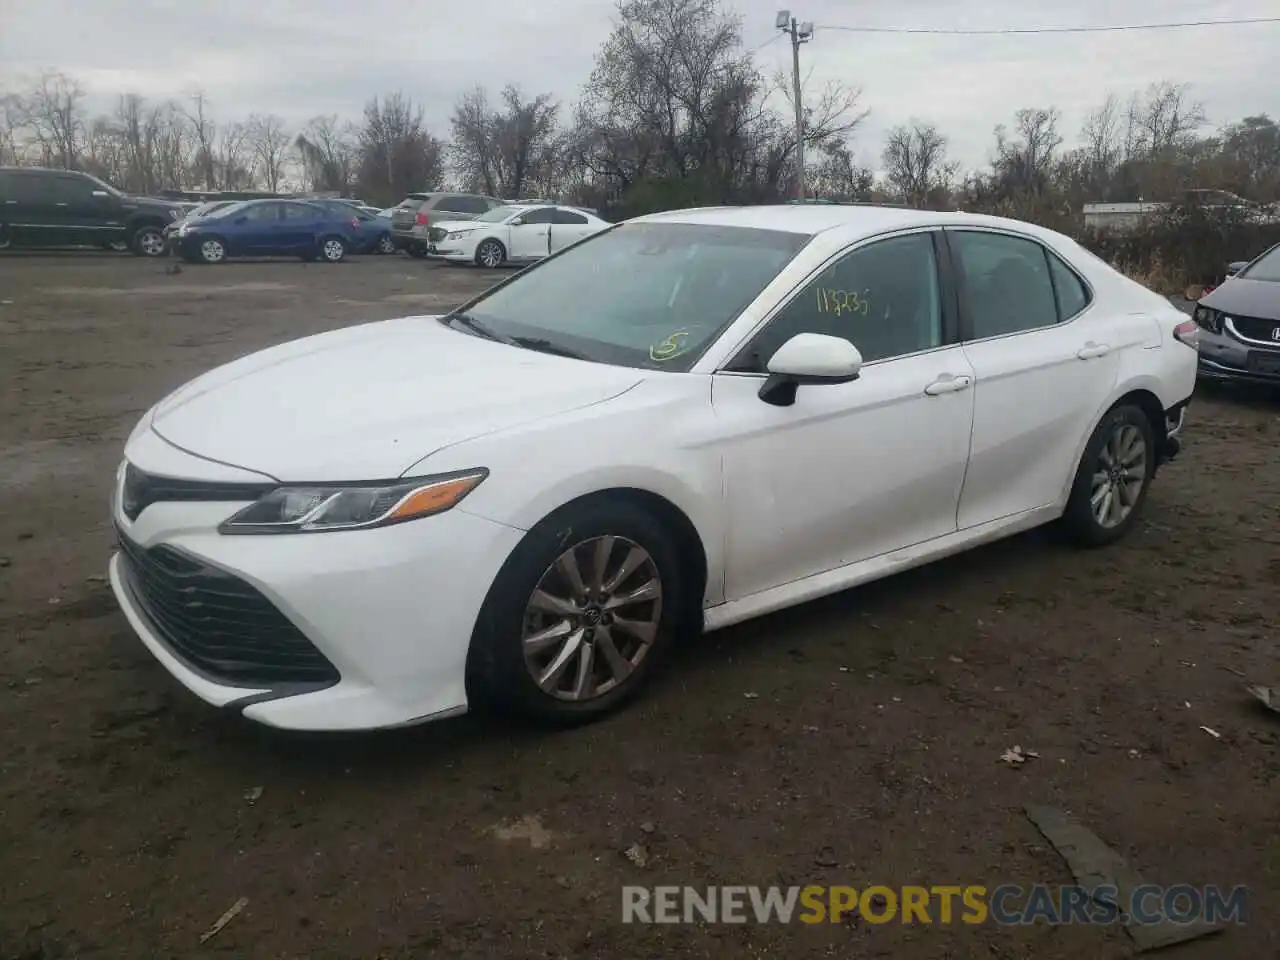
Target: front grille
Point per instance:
(221, 626)
(1255, 328)
(143, 489)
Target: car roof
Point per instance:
(813, 219)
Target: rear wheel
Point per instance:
(386, 244)
(1113, 478)
(332, 249)
(580, 616)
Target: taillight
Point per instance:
(421, 219)
(355, 223)
(1188, 332)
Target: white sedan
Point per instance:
(689, 420)
(514, 233)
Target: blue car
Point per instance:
(269, 228)
(373, 234)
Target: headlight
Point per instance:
(457, 235)
(182, 230)
(315, 509)
(1209, 319)
(173, 214)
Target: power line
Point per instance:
(1117, 28)
(760, 46)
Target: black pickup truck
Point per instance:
(62, 208)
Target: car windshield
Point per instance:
(1266, 267)
(652, 295)
(204, 209)
(498, 214)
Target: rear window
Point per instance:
(464, 204)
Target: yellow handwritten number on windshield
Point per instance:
(841, 302)
(669, 348)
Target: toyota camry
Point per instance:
(685, 421)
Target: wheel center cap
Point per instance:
(591, 615)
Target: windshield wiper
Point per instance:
(546, 346)
(477, 327)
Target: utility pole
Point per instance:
(798, 33)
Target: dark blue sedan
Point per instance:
(269, 228)
(373, 234)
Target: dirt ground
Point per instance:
(852, 741)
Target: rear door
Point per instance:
(1045, 360)
(567, 226)
(31, 208)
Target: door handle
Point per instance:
(1091, 351)
(948, 384)
(60, 204)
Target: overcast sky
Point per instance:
(298, 58)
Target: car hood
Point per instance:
(368, 402)
(451, 225)
(1247, 298)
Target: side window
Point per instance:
(1073, 295)
(883, 298)
(304, 211)
(542, 215)
(71, 189)
(1008, 285)
(568, 216)
(31, 187)
(263, 212)
(476, 205)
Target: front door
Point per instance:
(850, 470)
(532, 238)
(1043, 364)
(258, 230)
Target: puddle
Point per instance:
(170, 289)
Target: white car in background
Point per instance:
(688, 420)
(514, 233)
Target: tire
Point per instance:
(1099, 476)
(417, 251)
(6, 241)
(491, 253)
(213, 250)
(499, 680)
(148, 241)
(385, 245)
(332, 249)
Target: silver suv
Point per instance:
(413, 216)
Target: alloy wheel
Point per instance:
(1119, 476)
(151, 242)
(490, 254)
(592, 618)
(332, 250)
(212, 251)
(386, 245)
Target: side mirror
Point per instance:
(518, 222)
(809, 358)
(1236, 266)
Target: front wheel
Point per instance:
(149, 242)
(213, 250)
(491, 254)
(1113, 478)
(580, 616)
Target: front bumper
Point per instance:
(391, 609)
(1212, 370)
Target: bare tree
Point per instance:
(268, 143)
(1101, 137)
(203, 131)
(54, 111)
(13, 119)
(916, 164)
(233, 162)
(327, 149)
(501, 150)
(1023, 158)
(397, 154)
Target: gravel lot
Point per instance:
(854, 740)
